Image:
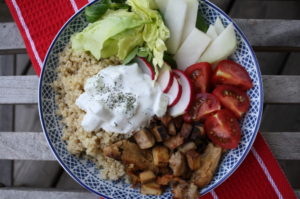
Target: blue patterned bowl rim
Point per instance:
(208, 189)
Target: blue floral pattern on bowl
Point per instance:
(85, 171)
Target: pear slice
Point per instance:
(222, 47)
(211, 32)
(219, 26)
(191, 17)
(191, 49)
(175, 19)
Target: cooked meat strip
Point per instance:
(161, 156)
(132, 154)
(171, 128)
(165, 179)
(193, 159)
(198, 132)
(186, 130)
(187, 147)
(184, 190)
(178, 164)
(209, 163)
(132, 176)
(113, 151)
(178, 121)
(151, 188)
(192, 192)
(179, 190)
(144, 139)
(147, 176)
(166, 119)
(160, 133)
(174, 142)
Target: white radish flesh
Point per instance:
(165, 80)
(162, 5)
(219, 26)
(191, 49)
(145, 66)
(174, 93)
(186, 97)
(211, 32)
(175, 19)
(222, 47)
(190, 18)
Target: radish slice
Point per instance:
(174, 93)
(145, 66)
(165, 80)
(186, 97)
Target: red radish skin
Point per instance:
(186, 97)
(165, 80)
(146, 67)
(174, 93)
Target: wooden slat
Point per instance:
(10, 39)
(272, 32)
(7, 193)
(53, 194)
(23, 89)
(18, 89)
(32, 146)
(261, 32)
(24, 146)
(284, 145)
(281, 89)
(223, 4)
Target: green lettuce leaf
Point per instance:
(112, 35)
(155, 32)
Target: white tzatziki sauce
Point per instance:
(120, 99)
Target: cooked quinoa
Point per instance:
(73, 70)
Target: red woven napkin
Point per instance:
(259, 176)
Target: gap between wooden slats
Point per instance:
(24, 89)
(33, 146)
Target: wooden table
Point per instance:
(264, 35)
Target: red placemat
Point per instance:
(259, 176)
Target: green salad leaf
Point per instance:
(155, 32)
(117, 33)
(201, 23)
(97, 10)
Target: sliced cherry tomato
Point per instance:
(200, 74)
(231, 73)
(223, 129)
(233, 98)
(203, 105)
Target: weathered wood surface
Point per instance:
(33, 146)
(23, 89)
(9, 193)
(18, 89)
(24, 146)
(284, 145)
(10, 39)
(281, 89)
(280, 34)
(271, 32)
(223, 4)
(66, 182)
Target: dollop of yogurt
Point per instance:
(120, 99)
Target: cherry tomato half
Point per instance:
(203, 105)
(200, 74)
(233, 98)
(223, 129)
(231, 73)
